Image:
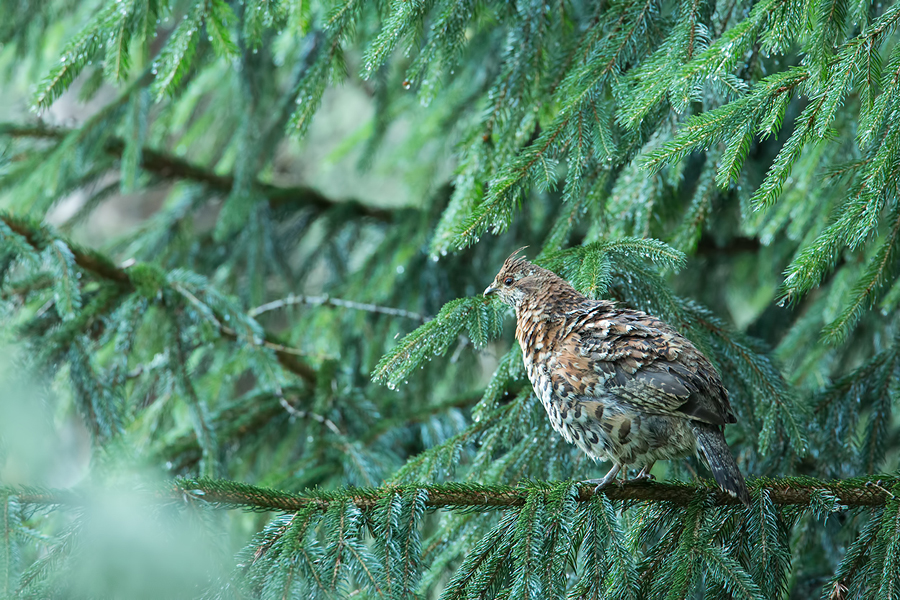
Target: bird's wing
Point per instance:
(642, 362)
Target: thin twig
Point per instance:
(228, 330)
(302, 414)
(326, 300)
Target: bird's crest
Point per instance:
(515, 259)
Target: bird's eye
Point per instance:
(508, 281)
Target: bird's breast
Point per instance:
(572, 387)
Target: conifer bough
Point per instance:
(789, 491)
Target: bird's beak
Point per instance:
(489, 291)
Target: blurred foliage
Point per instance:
(730, 166)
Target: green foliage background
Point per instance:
(241, 253)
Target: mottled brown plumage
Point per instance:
(620, 384)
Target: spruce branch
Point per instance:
(228, 331)
(23, 288)
(236, 421)
(418, 416)
(168, 166)
(99, 265)
(211, 460)
(789, 491)
(478, 315)
(536, 163)
(40, 238)
(878, 273)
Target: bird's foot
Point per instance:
(613, 477)
(644, 474)
(609, 478)
(602, 483)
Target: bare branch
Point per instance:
(302, 414)
(327, 300)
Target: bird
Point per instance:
(620, 384)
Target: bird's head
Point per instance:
(517, 280)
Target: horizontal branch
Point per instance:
(99, 265)
(228, 494)
(168, 166)
(89, 260)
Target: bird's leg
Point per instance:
(607, 479)
(645, 473)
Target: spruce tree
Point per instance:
(272, 378)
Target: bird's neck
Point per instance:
(555, 302)
(549, 301)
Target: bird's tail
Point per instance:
(715, 453)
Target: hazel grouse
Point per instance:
(621, 384)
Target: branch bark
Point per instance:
(228, 494)
(168, 166)
(789, 491)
